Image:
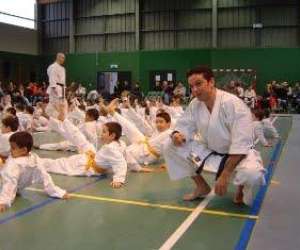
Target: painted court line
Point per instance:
(155, 205)
(44, 203)
(249, 224)
(171, 241)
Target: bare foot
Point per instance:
(146, 170)
(238, 197)
(198, 193)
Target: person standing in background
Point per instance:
(57, 84)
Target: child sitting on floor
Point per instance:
(23, 169)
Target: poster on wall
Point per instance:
(157, 78)
(169, 77)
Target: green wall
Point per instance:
(278, 64)
(179, 60)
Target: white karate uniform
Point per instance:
(76, 116)
(175, 112)
(25, 121)
(40, 123)
(269, 128)
(227, 129)
(89, 129)
(19, 173)
(56, 74)
(4, 144)
(259, 132)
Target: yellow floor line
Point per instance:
(147, 204)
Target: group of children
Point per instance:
(113, 138)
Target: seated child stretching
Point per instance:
(143, 150)
(110, 157)
(23, 169)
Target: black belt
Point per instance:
(221, 165)
(63, 89)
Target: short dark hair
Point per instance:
(266, 113)
(11, 111)
(20, 106)
(165, 116)
(11, 121)
(93, 113)
(114, 128)
(259, 114)
(29, 109)
(22, 139)
(202, 69)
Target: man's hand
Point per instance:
(178, 139)
(222, 184)
(3, 208)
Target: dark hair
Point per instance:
(11, 121)
(22, 139)
(29, 109)
(81, 107)
(93, 113)
(20, 106)
(258, 113)
(164, 116)
(11, 111)
(202, 69)
(267, 113)
(114, 128)
(102, 111)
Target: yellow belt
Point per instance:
(151, 149)
(91, 163)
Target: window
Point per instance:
(18, 12)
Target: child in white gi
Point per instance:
(110, 158)
(268, 125)
(10, 125)
(258, 128)
(23, 169)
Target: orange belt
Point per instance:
(91, 163)
(151, 149)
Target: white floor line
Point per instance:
(171, 241)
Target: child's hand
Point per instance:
(115, 184)
(268, 144)
(61, 109)
(66, 196)
(3, 208)
(112, 106)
